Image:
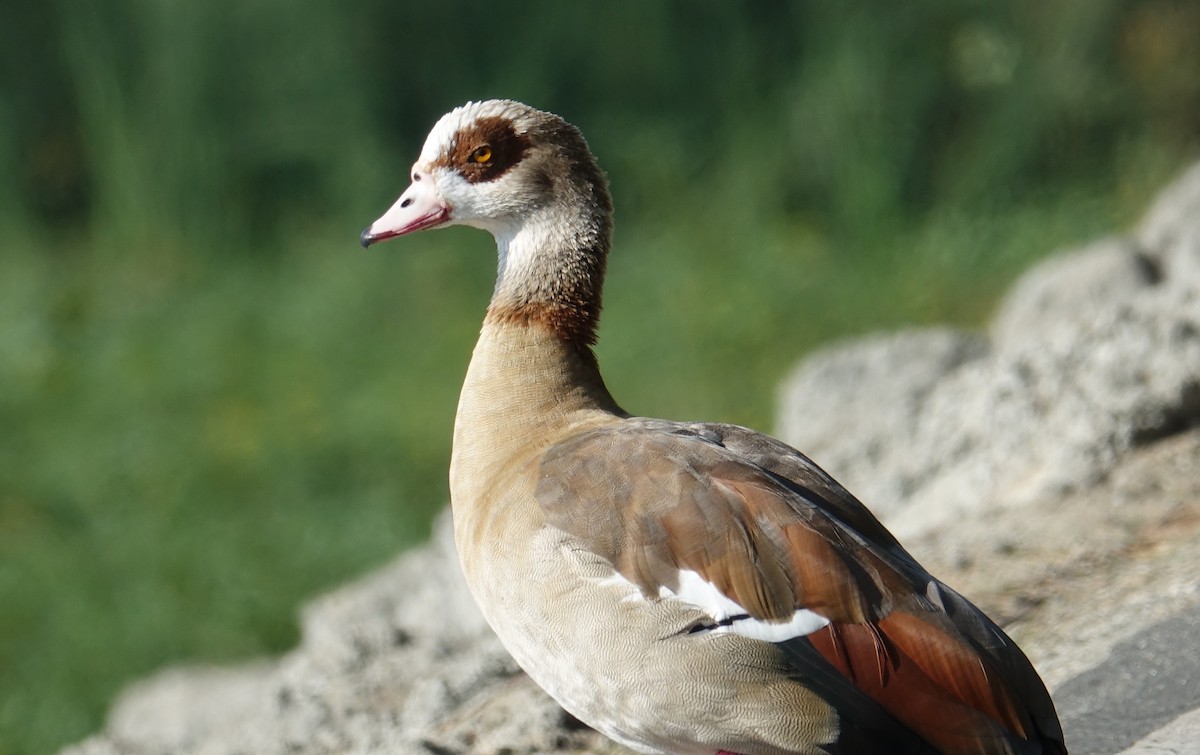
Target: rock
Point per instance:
(846, 406)
(1071, 286)
(1177, 738)
(1169, 231)
(180, 708)
(1053, 415)
(1046, 469)
(372, 674)
(1147, 680)
(1092, 353)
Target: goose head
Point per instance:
(501, 166)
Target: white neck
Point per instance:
(559, 244)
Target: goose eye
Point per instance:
(482, 154)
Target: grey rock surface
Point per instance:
(400, 661)
(1091, 354)
(1049, 469)
(1146, 681)
(1071, 286)
(1180, 737)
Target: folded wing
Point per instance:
(769, 546)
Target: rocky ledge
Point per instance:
(1049, 469)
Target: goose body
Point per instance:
(681, 587)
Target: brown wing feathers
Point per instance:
(957, 705)
(815, 574)
(955, 667)
(682, 500)
(925, 676)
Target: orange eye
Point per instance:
(482, 154)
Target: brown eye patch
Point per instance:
(485, 150)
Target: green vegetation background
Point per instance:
(214, 405)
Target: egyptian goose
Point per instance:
(681, 587)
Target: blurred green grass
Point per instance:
(214, 405)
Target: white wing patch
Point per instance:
(729, 617)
